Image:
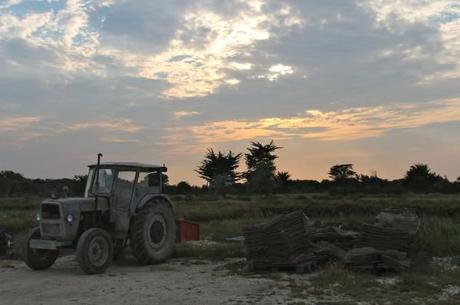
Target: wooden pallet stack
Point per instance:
(345, 239)
(291, 241)
(371, 260)
(384, 245)
(394, 229)
(282, 243)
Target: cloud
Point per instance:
(17, 122)
(124, 125)
(22, 129)
(118, 140)
(345, 125)
(65, 32)
(388, 11)
(241, 65)
(206, 44)
(276, 71)
(197, 48)
(443, 15)
(232, 81)
(182, 114)
(9, 3)
(203, 43)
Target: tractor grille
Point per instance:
(50, 229)
(50, 211)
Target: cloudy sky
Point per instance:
(370, 82)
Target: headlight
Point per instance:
(69, 218)
(38, 217)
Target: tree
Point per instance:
(341, 172)
(183, 187)
(419, 177)
(283, 177)
(282, 180)
(80, 184)
(12, 183)
(165, 179)
(262, 180)
(260, 161)
(219, 168)
(260, 154)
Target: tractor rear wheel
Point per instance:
(153, 233)
(37, 259)
(94, 251)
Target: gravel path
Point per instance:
(175, 282)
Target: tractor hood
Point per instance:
(55, 215)
(81, 204)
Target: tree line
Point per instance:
(220, 171)
(13, 184)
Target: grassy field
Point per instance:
(221, 218)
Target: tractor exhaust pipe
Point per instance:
(99, 156)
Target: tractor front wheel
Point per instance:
(153, 233)
(37, 259)
(94, 251)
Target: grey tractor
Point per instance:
(123, 205)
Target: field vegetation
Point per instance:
(221, 217)
(224, 217)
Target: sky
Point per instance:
(375, 83)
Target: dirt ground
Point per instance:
(200, 282)
(175, 282)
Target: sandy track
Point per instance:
(175, 282)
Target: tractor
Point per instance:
(123, 205)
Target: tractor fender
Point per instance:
(154, 197)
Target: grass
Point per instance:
(314, 205)
(18, 214)
(335, 285)
(17, 221)
(223, 217)
(352, 288)
(23, 203)
(441, 236)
